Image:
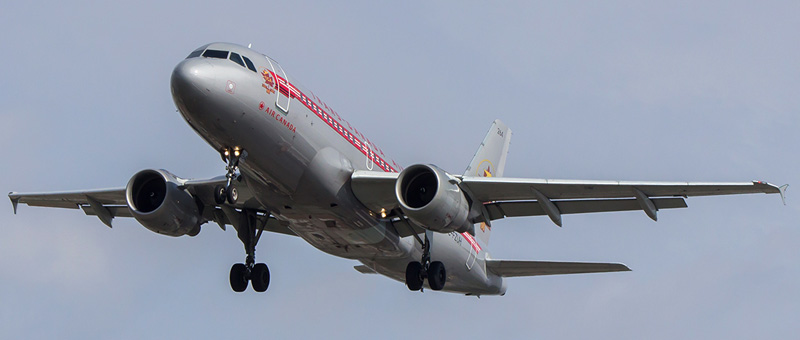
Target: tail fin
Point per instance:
(490, 161)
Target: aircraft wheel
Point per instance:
(413, 279)
(260, 277)
(437, 275)
(219, 194)
(232, 193)
(238, 279)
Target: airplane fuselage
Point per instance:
(299, 158)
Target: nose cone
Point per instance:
(192, 79)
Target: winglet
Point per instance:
(782, 189)
(14, 201)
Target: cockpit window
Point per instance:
(236, 59)
(249, 64)
(196, 53)
(216, 54)
(233, 56)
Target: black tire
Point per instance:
(219, 194)
(260, 277)
(232, 193)
(437, 276)
(238, 279)
(413, 279)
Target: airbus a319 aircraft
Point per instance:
(294, 166)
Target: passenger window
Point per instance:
(216, 54)
(236, 58)
(195, 53)
(249, 64)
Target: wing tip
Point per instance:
(14, 200)
(782, 190)
(773, 189)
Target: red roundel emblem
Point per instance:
(261, 105)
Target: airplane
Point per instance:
(294, 166)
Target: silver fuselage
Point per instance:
(300, 155)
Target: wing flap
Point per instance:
(487, 189)
(364, 269)
(115, 210)
(509, 268)
(498, 210)
(405, 228)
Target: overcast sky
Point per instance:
(593, 90)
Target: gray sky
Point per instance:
(592, 90)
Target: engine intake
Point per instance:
(431, 200)
(156, 200)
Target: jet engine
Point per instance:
(157, 201)
(430, 199)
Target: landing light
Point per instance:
(227, 153)
(383, 212)
(236, 153)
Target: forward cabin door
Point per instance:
(282, 100)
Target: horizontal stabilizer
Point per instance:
(506, 268)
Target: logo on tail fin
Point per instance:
(484, 168)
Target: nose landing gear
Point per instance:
(228, 192)
(249, 227)
(418, 272)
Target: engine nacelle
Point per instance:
(431, 200)
(160, 205)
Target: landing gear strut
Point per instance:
(229, 192)
(417, 272)
(249, 231)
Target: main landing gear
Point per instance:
(417, 272)
(249, 232)
(228, 192)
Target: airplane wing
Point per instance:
(507, 197)
(499, 188)
(507, 268)
(107, 204)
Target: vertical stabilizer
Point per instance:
(490, 161)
